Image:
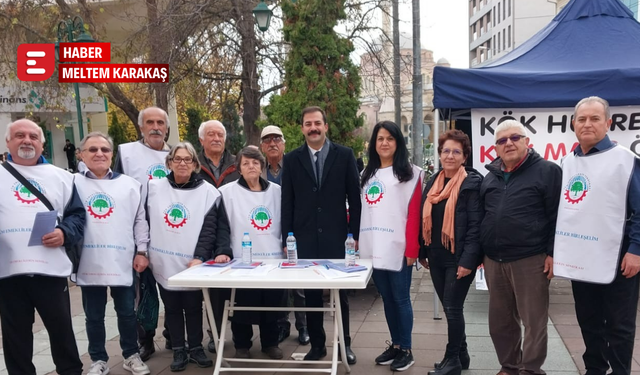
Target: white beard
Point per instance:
(26, 154)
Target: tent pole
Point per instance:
(436, 167)
(396, 64)
(417, 121)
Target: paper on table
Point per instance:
(44, 223)
(330, 273)
(258, 271)
(205, 271)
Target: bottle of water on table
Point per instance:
(292, 249)
(350, 251)
(246, 248)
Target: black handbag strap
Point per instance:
(28, 185)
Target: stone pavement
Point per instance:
(369, 333)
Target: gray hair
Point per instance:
(141, 116)
(592, 99)
(204, 125)
(94, 135)
(510, 124)
(250, 152)
(7, 134)
(190, 149)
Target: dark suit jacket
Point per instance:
(318, 217)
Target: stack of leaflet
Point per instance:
(301, 264)
(213, 263)
(343, 268)
(246, 266)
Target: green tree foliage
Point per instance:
(100, 204)
(118, 133)
(261, 217)
(318, 71)
(159, 173)
(576, 187)
(176, 214)
(195, 117)
(231, 122)
(373, 191)
(24, 190)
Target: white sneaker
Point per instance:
(135, 365)
(98, 368)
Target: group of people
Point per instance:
(163, 209)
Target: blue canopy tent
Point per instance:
(592, 47)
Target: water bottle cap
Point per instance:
(290, 234)
(349, 235)
(246, 233)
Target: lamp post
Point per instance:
(263, 15)
(72, 30)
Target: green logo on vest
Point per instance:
(374, 192)
(577, 188)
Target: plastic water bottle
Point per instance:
(350, 251)
(246, 248)
(292, 249)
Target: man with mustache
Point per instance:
(144, 160)
(273, 142)
(35, 277)
(217, 167)
(317, 180)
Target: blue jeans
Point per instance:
(394, 289)
(94, 301)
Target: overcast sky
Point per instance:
(445, 28)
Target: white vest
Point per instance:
(18, 208)
(591, 215)
(383, 223)
(175, 221)
(142, 163)
(255, 212)
(108, 247)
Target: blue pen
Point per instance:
(326, 266)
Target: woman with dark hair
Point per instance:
(451, 217)
(389, 232)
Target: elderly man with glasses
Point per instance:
(521, 194)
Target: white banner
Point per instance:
(46, 99)
(549, 129)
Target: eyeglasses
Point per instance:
(514, 138)
(276, 139)
(180, 160)
(455, 152)
(93, 150)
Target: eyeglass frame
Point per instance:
(503, 141)
(268, 139)
(179, 161)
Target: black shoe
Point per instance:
(180, 360)
(211, 347)
(403, 361)
(465, 360)
(273, 352)
(448, 366)
(284, 333)
(198, 357)
(303, 336)
(387, 357)
(147, 348)
(316, 354)
(351, 356)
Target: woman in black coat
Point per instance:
(451, 217)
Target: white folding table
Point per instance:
(204, 277)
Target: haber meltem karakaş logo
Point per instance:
(261, 218)
(100, 205)
(176, 215)
(23, 194)
(374, 192)
(576, 188)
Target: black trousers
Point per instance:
(19, 296)
(452, 292)
(242, 333)
(315, 320)
(180, 306)
(218, 296)
(607, 318)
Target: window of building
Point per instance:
(493, 14)
(509, 36)
(504, 9)
(493, 45)
(509, 4)
(504, 40)
(498, 42)
(481, 24)
(498, 15)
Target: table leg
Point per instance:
(212, 322)
(335, 297)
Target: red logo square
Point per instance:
(36, 62)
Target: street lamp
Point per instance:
(263, 14)
(73, 31)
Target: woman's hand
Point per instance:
(425, 263)
(222, 259)
(462, 272)
(411, 261)
(194, 262)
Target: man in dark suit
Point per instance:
(317, 179)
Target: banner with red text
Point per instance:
(549, 130)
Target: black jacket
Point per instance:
(318, 216)
(468, 216)
(520, 215)
(229, 172)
